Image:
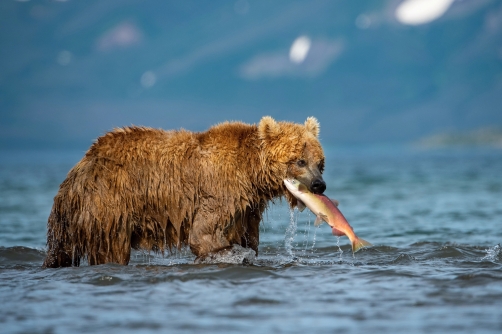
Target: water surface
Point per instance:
(436, 266)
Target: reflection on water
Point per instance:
(434, 218)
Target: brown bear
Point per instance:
(156, 190)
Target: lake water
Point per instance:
(435, 219)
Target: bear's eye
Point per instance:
(321, 166)
(301, 163)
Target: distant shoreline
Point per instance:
(482, 137)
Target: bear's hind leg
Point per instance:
(58, 257)
(103, 258)
(112, 246)
(59, 248)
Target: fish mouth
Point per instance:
(289, 183)
(290, 197)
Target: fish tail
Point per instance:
(358, 243)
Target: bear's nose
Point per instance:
(318, 186)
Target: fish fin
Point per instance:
(320, 218)
(358, 243)
(335, 202)
(336, 232)
(301, 206)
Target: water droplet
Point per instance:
(313, 242)
(290, 233)
(340, 251)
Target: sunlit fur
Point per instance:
(156, 190)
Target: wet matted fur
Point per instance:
(152, 189)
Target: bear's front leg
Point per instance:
(216, 239)
(207, 237)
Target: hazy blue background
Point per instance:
(71, 70)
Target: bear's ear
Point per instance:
(268, 127)
(313, 126)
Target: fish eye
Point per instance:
(301, 163)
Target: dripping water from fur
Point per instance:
(340, 251)
(306, 240)
(290, 233)
(313, 241)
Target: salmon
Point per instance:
(326, 210)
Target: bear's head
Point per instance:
(293, 151)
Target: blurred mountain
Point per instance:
(71, 70)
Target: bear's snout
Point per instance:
(318, 186)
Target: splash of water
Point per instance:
(492, 253)
(236, 255)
